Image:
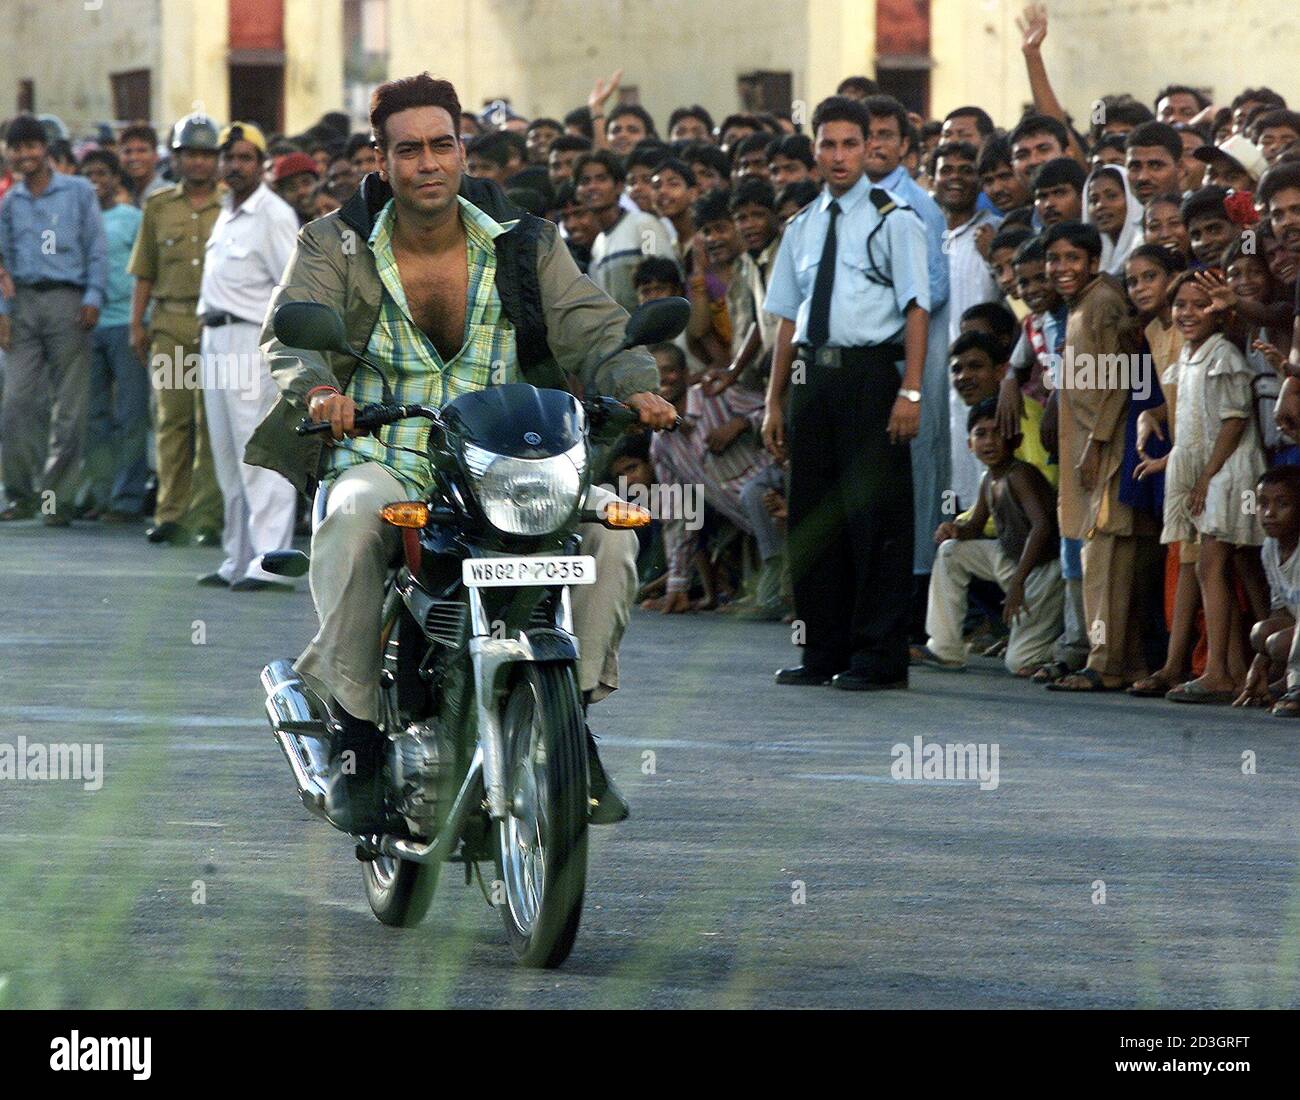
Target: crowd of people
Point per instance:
(1099, 410)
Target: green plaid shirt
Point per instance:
(416, 372)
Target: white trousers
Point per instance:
(260, 504)
(956, 564)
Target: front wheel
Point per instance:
(541, 847)
(399, 890)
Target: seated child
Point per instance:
(1271, 673)
(1022, 560)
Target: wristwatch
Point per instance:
(913, 396)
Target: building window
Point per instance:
(130, 95)
(903, 60)
(26, 96)
(765, 91)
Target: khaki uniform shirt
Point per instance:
(169, 247)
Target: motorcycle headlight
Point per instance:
(526, 496)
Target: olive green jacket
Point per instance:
(333, 265)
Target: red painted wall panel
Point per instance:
(257, 24)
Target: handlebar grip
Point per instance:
(367, 418)
(313, 427)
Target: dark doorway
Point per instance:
(910, 86)
(257, 95)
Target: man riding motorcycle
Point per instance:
(449, 288)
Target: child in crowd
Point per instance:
(1022, 560)
(1042, 335)
(1270, 676)
(1162, 224)
(1149, 273)
(1092, 400)
(978, 364)
(1209, 481)
(1001, 260)
(1209, 229)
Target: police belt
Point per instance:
(875, 355)
(218, 319)
(177, 305)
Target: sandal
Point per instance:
(1151, 687)
(923, 656)
(1288, 706)
(1193, 692)
(1091, 681)
(1050, 672)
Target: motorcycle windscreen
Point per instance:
(517, 420)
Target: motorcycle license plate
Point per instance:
(525, 572)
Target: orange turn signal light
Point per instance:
(619, 513)
(405, 513)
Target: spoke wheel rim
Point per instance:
(523, 850)
(384, 868)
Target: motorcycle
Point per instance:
(485, 754)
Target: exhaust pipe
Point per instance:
(301, 727)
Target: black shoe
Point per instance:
(17, 512)
(860, 681)
(354, 789)
(608, 804)
(169, 532)
(802, 676)
(205, 536)
(213, 580)
(252, 584)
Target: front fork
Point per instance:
(489, 658)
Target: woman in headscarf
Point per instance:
(1111, 206)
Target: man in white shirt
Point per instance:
(246, 255)
(957, 190)
(626, 237)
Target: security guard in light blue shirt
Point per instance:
(863, 313)
(851, 285)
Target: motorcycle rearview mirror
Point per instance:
(652, 323)
(656, 322)
(310, 326)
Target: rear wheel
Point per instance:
(398, 890)
(542, 845)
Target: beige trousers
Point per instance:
(956, 564)
(350, 552)
(1116, 643)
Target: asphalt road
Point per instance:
(771, 859)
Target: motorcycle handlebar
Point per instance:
(367, 418)
(602, 411)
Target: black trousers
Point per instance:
(850, 515)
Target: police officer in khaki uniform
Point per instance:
(168, 265)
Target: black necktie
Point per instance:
(819, 314)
